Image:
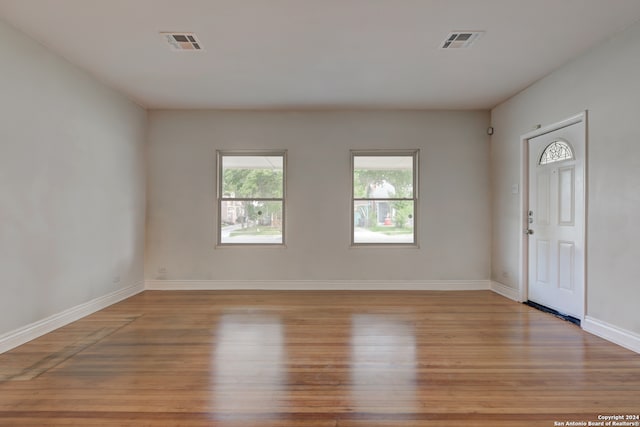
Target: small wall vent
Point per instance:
(461, 39)
(182, 41)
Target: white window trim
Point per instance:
(415, 153)
(219, 195)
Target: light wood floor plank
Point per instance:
(275, 358)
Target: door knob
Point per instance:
(528, 231)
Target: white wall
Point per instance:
(72, 185)
(605, 82)
(454, 210)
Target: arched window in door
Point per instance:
(557, 151)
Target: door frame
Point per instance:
(524, 200)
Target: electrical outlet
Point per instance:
(116, 279)
(162, 273)
(505, 274)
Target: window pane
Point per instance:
(251, 221)
(383, 221)
(252, 176)
(382, 177)
(557, 151)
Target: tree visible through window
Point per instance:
(251, 198)
(384, 197)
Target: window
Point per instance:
(251, 191)
(384, 197)
(557, 151)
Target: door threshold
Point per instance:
(556, 313)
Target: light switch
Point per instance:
(515, 189)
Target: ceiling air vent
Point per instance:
(182, 41)
(461, 39)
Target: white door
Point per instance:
(556, 219)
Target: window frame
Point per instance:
(542, 158)
(415, 155)
(220, 154)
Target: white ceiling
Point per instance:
(281, 54)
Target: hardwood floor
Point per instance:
(251, 358)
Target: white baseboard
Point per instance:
(612, 333)
(319, 285)
(27, 333)
(506, 291)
